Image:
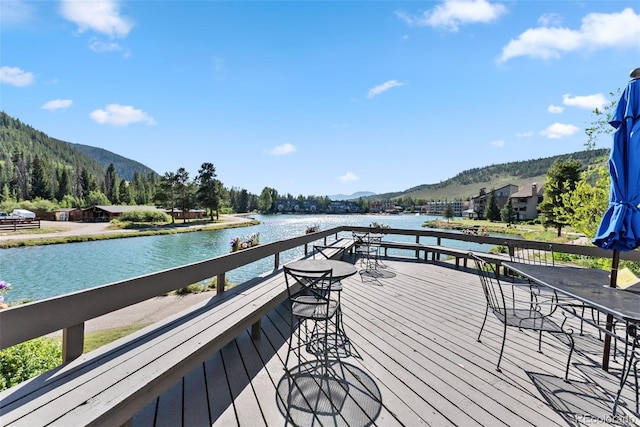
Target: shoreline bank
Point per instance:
(69, 232)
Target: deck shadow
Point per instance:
(309, 394)
(580, 403)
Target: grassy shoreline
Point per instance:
(527, 231)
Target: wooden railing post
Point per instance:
(276, 260)
(72, 342)
(220, 278)
(255, 330)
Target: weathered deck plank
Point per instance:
(413, 332)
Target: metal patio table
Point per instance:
(591, 287)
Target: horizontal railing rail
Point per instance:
(443, 236)
(69, 312)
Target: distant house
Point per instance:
(107, 213)
(180, 214)
(437, 207)
(525, 201)
(480, 201)
(67, 214)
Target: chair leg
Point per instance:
(635, 373)
(573, 343)
(486, 312)
(540, 341)
(291, 338)
(504, 339)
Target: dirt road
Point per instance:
(68, 228)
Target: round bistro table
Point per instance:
(340, 269)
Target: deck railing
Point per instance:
(70, 312)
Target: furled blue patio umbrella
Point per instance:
(619, 229)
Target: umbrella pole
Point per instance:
(612, 284)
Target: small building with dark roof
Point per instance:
(526, 200)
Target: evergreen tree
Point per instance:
(20, 180)
(124, 192)
(85, 183)
(39, 182)
(111, 184)
(166, 194)
(207, 192)
(561, 179)
(448, 213)
(265, 201)
(243, 201)
(506, 213)
(184, 192)
(492, 211)
(63, 183)
(6, 196)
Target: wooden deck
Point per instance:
(414, 360)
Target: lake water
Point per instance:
(40, 272)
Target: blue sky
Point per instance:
(317, 97)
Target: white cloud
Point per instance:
(527, 134)
(559, 130)
(99, 46)
(282, 150)
(348, 177)
(549, 19)
(589, 102)
(384, 87)
(597, 31)
(101, 16)
(555, 109)
(498, 143)
(57, 104)
(451, 14)
(15, 12)
(120, 115)
(14, 76)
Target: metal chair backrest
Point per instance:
(361, 239)
(316, 283)
(527, 252)
(491, 286)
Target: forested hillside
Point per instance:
(469, 182)
(20, 144)
(34, 165)
(125, 168)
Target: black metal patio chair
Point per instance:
(541, 253)
(314, 313)
(516, 314)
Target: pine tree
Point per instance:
(561, 179)
(39, 183)
(207, 192)
(447, 212)
(492, 211)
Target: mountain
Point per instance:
(19, 140)
(354, 196)
(20, 144)
(125, 168)
(469, 182)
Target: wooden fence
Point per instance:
(14, 225)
